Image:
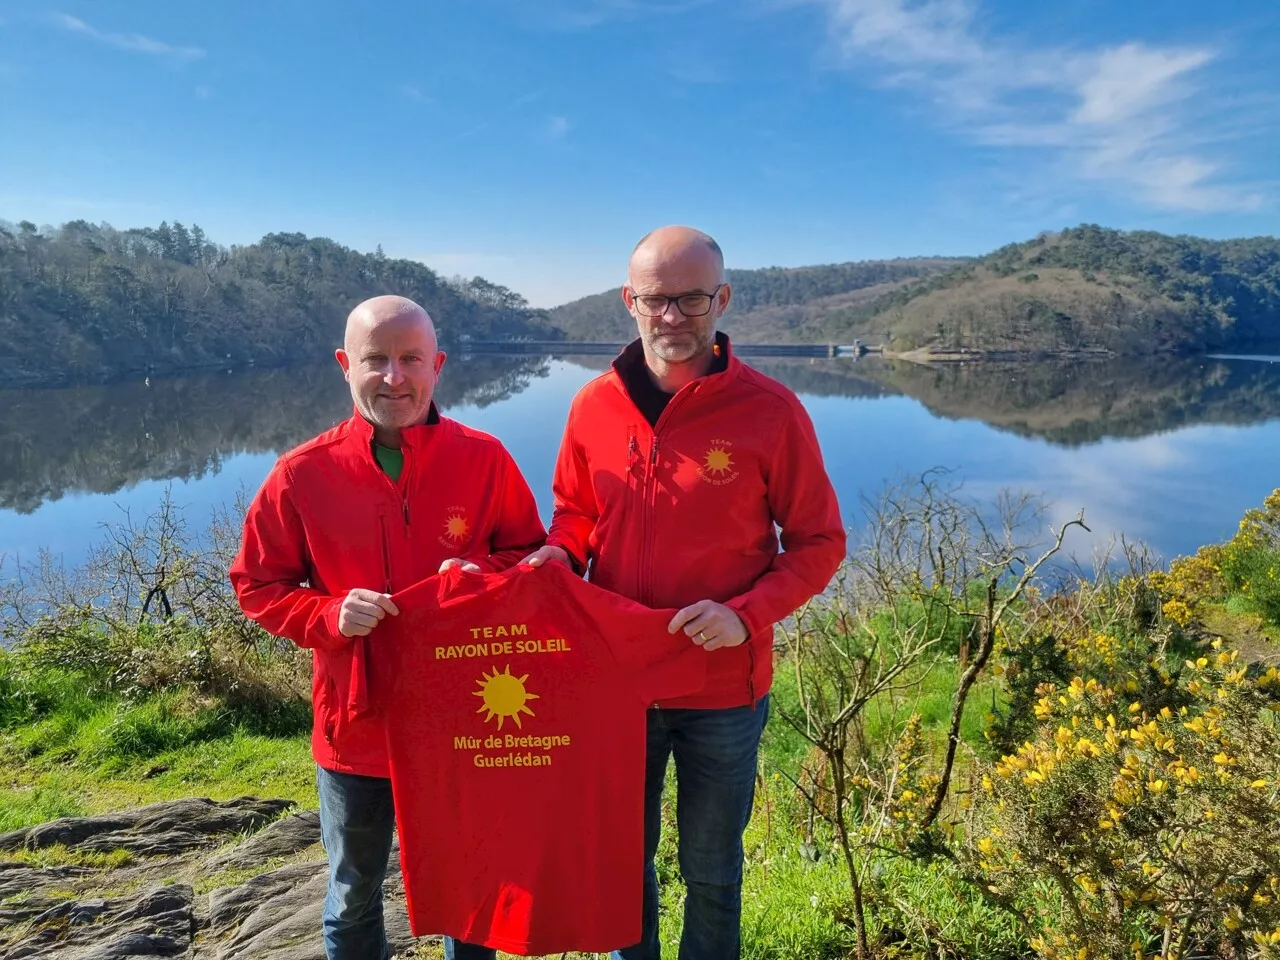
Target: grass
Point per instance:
(930, 696)
(83, 757)
(60, 855)
(25, 806)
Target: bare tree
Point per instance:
(932, 578)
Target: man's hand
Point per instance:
(361, 610)
(711, 625)
(466, 565)
(548, 554)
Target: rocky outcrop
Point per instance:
(202, 880)
(161, 829)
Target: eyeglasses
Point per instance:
(689, 304)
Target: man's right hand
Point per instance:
(548, 553)
(361, 610)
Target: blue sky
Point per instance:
(533, 141)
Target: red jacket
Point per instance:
(686, 511)
(328, 520)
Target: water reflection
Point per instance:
(101, 439)
(1148, 448)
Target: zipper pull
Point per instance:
(653, 453)
(405, 504)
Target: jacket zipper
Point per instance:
(403, 488)
(646, 554)
(386, 554)
(651, 494)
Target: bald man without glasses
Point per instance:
(385, 499)
(676, 470)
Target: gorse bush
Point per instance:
(1141, 816)
(1246, 567)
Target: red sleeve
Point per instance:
(576, 511)
(271, 566)
(519, 530)
(803, 503)
(663, 665)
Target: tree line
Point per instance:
(85, 302)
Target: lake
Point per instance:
(1166, 451)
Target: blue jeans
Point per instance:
(357, 823)
(716, 753)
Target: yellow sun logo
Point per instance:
(504, 696)
(455, 528)
(718, 460)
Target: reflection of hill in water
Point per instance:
(101, 439)
(1077, 403)
(813, 376)
(1065, 403)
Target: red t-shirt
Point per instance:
(515, 716)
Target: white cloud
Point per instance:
(1129, 117)
(557, 127)
(134, 42)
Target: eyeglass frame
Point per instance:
(711, 302)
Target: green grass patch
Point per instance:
(65, 752)
(25, 807)
(60, 855)
(930, 695)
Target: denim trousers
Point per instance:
(357, 824)
(715, 753)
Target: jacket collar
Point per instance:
(411, 437)
(633, 354)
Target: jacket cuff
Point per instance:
(742, 606)
(578, 563)
(329, 624)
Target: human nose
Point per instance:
(394, 373)
(671, 313)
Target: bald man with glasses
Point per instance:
(677, 470)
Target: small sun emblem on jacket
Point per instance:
(717, 467)
(456, 527)
(718, 461)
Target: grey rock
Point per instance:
(159, 923)
(276, 916)
(229, 906)
(280, 839)
(16, 878)
(72, 913)
(160, 829)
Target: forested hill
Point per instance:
(1086, 288)
(86, 303)
(1083, 289)
(775, 304)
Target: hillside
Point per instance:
(90, 303)
(775, 304)
(1084, 289)
(1087, 289)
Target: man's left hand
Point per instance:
(467, 566)
(711, 625)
